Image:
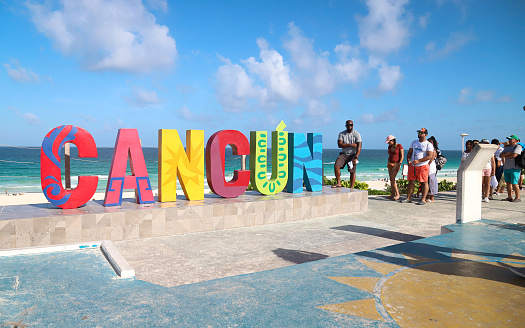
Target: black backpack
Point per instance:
(520, 159)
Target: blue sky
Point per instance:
(391, 66)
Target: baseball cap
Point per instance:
(513, 137)
(390, 137)
(422, 130)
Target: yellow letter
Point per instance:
(173, 163)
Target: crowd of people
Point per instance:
(423, 159)
(502, 171)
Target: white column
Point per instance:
(468, 202)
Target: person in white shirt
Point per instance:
(418, 157)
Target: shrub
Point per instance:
(402, 185)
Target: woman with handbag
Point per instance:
(395, 158)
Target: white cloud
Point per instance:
(454, 43)
(271, 81)
(390, 115)
(234, 87)
(389, 76)
(314, 72)
(273, 72)
(468, 97)
(386, 28)
(143, 98)
(423, 20)
(118, 35)
(158, 4)
(21, 74)
(30, 118)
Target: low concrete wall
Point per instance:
(44, 224)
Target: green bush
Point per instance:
(345, 183)
(377, 192)
(402, 185)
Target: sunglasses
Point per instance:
(349, 125)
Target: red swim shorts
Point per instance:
(420, 174)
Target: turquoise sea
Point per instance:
(20, 167)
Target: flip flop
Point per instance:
(337, 186)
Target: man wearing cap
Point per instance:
(511, 171)
(418, 157)
(350, 143)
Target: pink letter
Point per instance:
(128, 144)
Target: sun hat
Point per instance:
(390, 137)
(513, 137)
(422, 130)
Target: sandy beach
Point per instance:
(39, 198)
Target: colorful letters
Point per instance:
(292, 154)
(50, 172)
(127, 146)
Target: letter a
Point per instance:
(173, 163)
(127, 146)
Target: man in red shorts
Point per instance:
(419, 155)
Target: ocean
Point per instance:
(20, 167)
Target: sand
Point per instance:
(39, 198)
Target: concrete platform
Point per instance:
(460, 279)
(45, 224)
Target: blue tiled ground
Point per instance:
(80, 289)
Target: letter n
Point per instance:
(127, 146)
(306, 162)
(174, 162)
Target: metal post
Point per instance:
(463, 135)
(243, 162)
(67, 165)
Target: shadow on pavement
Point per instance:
(379, 232)
(298, 257)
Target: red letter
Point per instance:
(215, 163)
(50, 174)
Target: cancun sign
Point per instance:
(296, 158)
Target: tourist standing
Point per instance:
(350, 143)
(498, 161)
(488, 171)
(419, 154)
(432, 171)
(511, 171)
(395, 158)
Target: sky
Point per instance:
(391, 66)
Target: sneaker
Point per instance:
(515, 200)
(405, 201)
(421, 202)
(485, 200)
